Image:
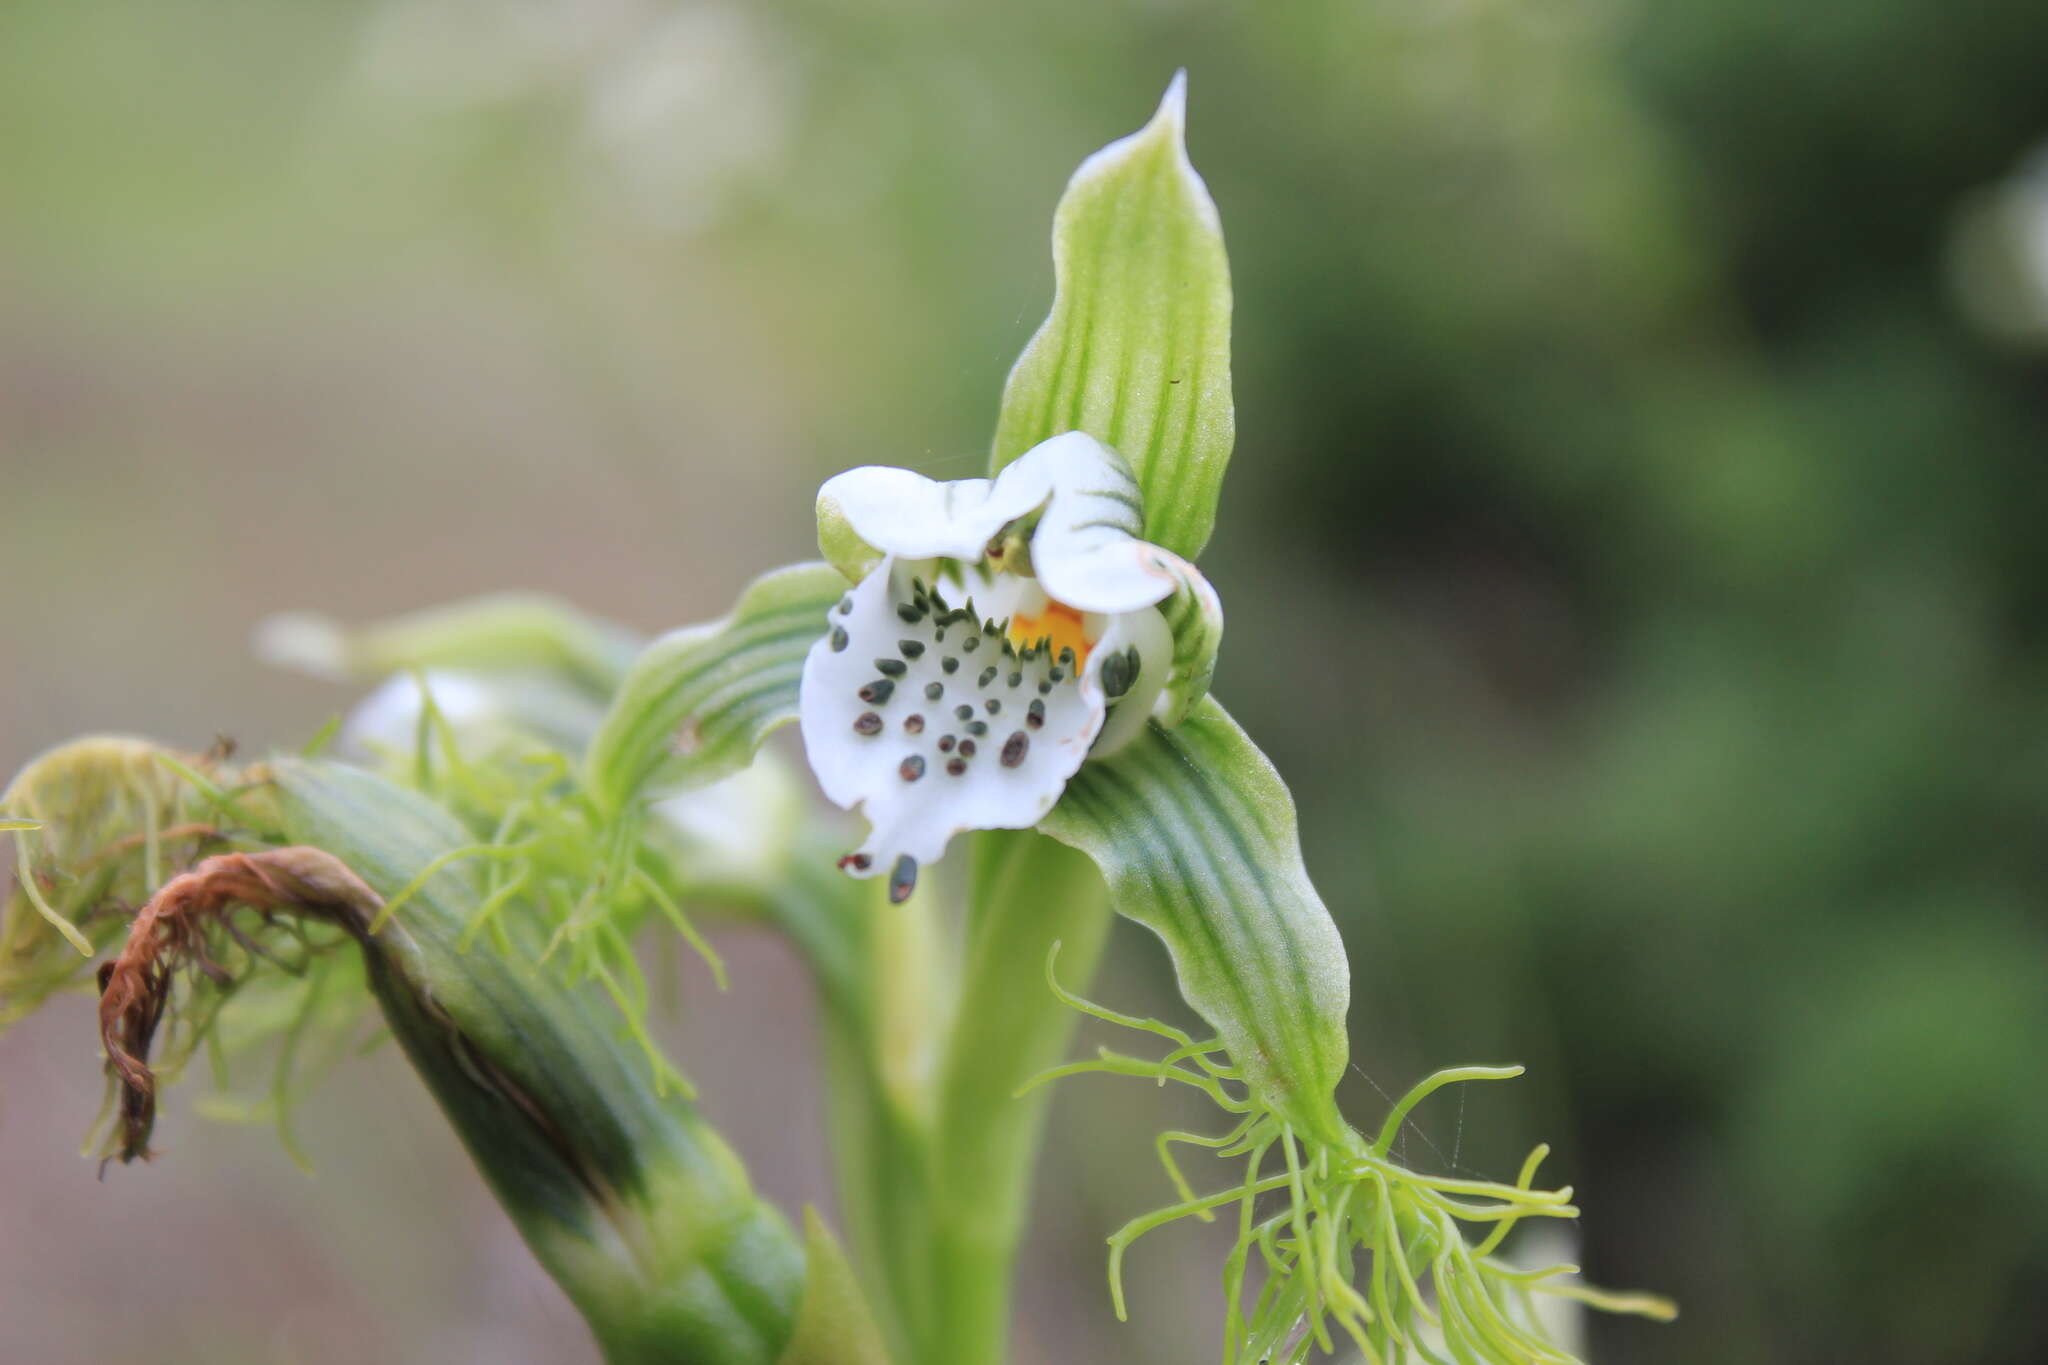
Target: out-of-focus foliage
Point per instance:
(1632, 543)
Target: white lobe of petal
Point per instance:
(1146, 633)
(388, 719)
(1086, 550)
(737, 830)
(902, 513)
(914, 712)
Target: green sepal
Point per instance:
(698, 701)
(502, 632)
(1195, 833)
(8, 823)
(841, 545)
(1136, 350)
(833, 1325)
(1194, 617)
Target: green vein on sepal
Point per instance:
(698, 701)
(1136, 350)
(1195, 833)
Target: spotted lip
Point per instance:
(935, 718)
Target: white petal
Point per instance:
(1087, 550)
(486, 712)
(388, 719)
(738, 829)
(903, 513)
(1144, 631)
(862, 748)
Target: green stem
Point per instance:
(1027, 893)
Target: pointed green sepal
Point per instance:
(698, 701)
(833, 1323)
(1136, 351)
(1195, 833)
(841, 545)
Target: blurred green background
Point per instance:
(1632, 553)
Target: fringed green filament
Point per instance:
(674, 913)
(25, 877)
(1362, 1249)
(1430, 1085)
(580, 879)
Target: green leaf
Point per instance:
(833, 1326)
(1195, 833)
(7, 824)
(635, 1205)
(698, 701)
(1136, 351)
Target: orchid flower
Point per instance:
(999, 632)
(1026, 655)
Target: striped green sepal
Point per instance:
(698, 701)
(1136, 351)
(7, 823)
(526, 633)
(1195, 833)
(1194, 616)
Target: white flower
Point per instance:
(1000, 632)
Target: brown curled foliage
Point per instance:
(172, 931)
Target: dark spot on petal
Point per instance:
(955, 766)
(914, 724)
(967, 748)
(839, 638)
(893, 668)
(911, 648)
(912, 768)
(1014, 749)
(903, 880)
(867, 723)
(878, 691)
